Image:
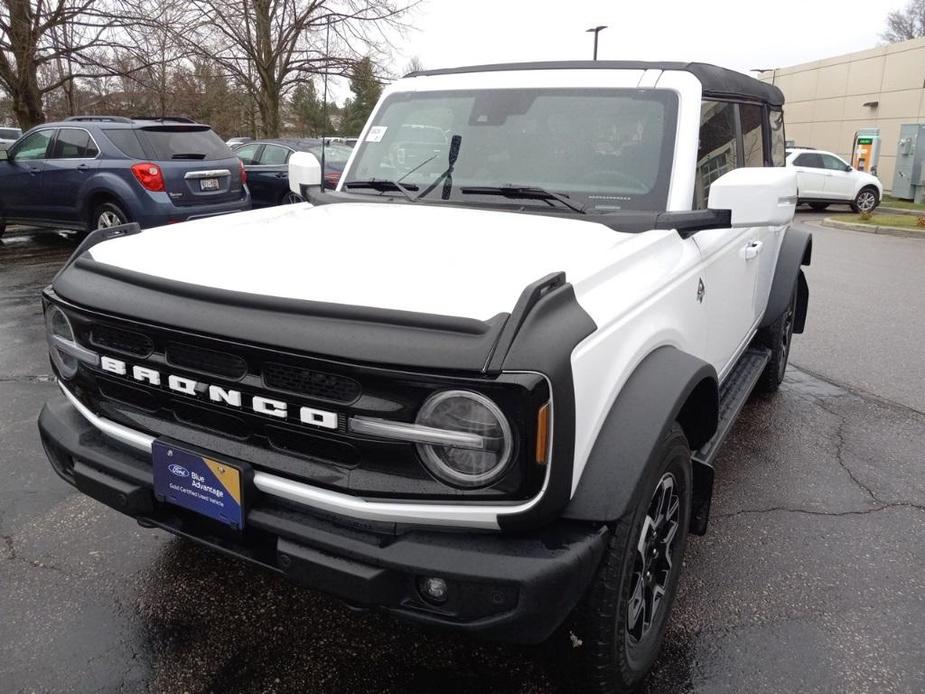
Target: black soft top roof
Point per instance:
(716, 81)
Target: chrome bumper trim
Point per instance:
(481, 516)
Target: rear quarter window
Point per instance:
(177, 143)
(778, 139)
(126, 141)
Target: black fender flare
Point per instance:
(796, 250)
(668, 385)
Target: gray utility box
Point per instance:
(910, 156)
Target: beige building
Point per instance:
(828, 101)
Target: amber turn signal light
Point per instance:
(542, 433)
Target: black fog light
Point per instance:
(434, 590)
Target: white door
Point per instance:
(811, 175)
(770, 239)
(731, 261)
(839, 178)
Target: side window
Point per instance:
(247, 154)
(127, 142)
(33, 147)
(809, 160)
(778, 139)
(72, 143)
(832, 163)
(752, 117)
(274, 156)
(718, 151)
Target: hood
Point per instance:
(440, 260)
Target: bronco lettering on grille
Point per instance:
(218, 394)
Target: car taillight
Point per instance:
(243, 173)
(149, 176)
(331, 179)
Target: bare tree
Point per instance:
(149, 44)
(270, 46)
(907, 23)
(414, 65)
(46, 45)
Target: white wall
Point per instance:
(824, 99)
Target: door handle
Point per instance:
(33, 170)
(82, 167)
(752, 249)
(281, 174)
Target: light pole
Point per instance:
(324, 99)
(595, 31)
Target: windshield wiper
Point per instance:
(383, 185)
(523, 192)
(446, 176)
(188, 155)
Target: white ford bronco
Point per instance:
(481, 384)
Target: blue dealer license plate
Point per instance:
(199, 483)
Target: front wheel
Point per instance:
(612, 639)
(107, 215)
(866, 200)
(291, 198)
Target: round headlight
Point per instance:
(471, 413)
(58, 325)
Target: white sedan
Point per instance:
(825, 179)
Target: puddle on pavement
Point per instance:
(807, 384)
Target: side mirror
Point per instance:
(848, 168)
(304, 172)
(756, 197)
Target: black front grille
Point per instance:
(206, 360)
(121, 340)
(315, 384)
(331, 458)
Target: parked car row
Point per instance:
(267, 166)
(89, 172)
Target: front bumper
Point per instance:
(509, 587)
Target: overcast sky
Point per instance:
(739, 34)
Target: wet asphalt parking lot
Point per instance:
(810, 579)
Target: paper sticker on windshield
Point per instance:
(376, 133)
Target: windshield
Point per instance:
(606, 149)
(10, 133)
(335, 154)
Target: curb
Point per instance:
(900, 210)
(873, 229)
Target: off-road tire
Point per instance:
(867, 200)
(819, 206)
(109, 211)
(596, 653)
(778, 338)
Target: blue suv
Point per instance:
(88, 172)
